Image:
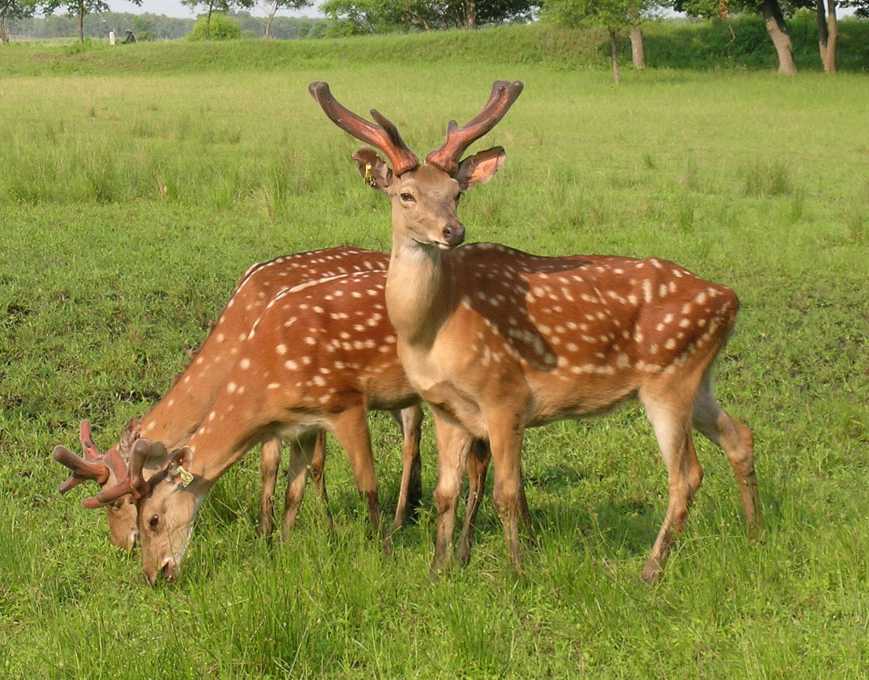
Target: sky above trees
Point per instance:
(174, 8)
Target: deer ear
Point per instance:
(373, 169)
(182, 456)
(179, 461)
(481, 167)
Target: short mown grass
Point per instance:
(130, 204)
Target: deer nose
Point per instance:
(454, 234)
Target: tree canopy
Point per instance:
(79, 8)
(13, 10)
(379, 16)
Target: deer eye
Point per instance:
(154, 522)
(407, 197)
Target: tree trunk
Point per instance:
(775, 27)
(81, 22)
(208, 21)
(270, 19)
(821, 17)
(4, 31)
(723, 9)
(614, 57)
(638, 48)
(471, 14)
(831, 35)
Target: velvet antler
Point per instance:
(382, 135)
(447, 157)
(94, 465)
(131, 480)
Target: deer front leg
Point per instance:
(270, 463)
(351, 431)
(505, 439)
(410, 493)
(477, 467)
(453, 443)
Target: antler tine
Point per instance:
(447, 157)
(91, 451)
(384, 135)
(82, 469)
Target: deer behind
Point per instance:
(177, 415)
(318, 358)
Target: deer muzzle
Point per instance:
(454, 235)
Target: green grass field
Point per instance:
(131, 202)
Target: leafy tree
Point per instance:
(216, 27)
(860, 7)
(79, 8)
(616, 16)
(272, 7)
(212, 6)
(772, 11)
(11, 10)
(380, 16)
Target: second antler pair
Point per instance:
(99, 467)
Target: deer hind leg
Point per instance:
(351, 431)
(477, 466)
(670, 419)
(300, 454)
(270, 463)
(410, 493)
(317, 470)
(453, 442)
(736, 440)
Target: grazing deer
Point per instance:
(317, 358)
(177, 415)
(497, 340)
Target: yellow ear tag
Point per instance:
(185, 476)
(369, 178)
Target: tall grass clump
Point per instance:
(766, 178)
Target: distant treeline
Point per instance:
(157, 26)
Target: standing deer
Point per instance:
(177, 415)
(317, 358)
(497, 340)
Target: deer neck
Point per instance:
(173, 419)
(420, 291)
(221, 440)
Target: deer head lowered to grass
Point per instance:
(177, 415)
(318, 357)
(497, 340)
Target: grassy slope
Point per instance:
(740, 43)
(129, 205)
